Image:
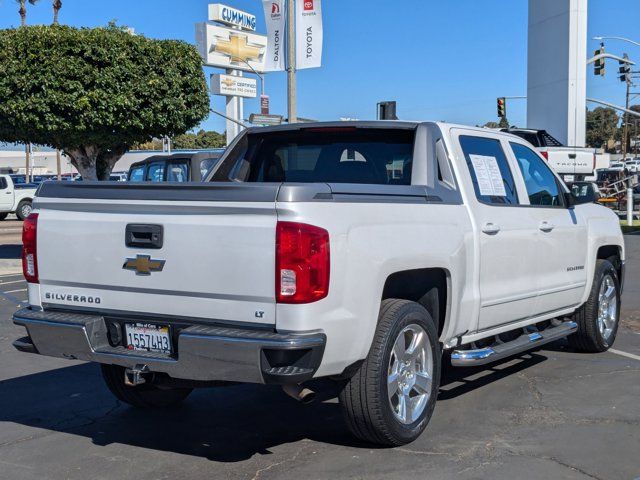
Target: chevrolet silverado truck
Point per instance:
(15, 197)
(571, 163)
(368, 253)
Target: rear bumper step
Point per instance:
(482, 356)
(203, 353)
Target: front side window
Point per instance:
(492, 178)
(137, 174)
(541, 183)
(156, 172)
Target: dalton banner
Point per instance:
(308, 33)
(275, 14)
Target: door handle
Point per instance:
(546, 226)
(490, 228)
(8, 193)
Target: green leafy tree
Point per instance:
(93, 93)
(491, 125)
(23, 10)
(201, 140)
(602, 126)
(504, 123)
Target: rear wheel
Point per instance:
(391, 398)
(141, 396)
(3, 215)
(598, 318)
(24, 209)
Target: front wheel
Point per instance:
(141, 396)
(598, 318)
(3, 215)
(24, 209)
(391, 398)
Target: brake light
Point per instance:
(29, 251)
(545, 154)
(302, 263)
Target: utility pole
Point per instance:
(292, 106)
(58, 166)
(27, 154)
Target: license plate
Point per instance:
(148, 338)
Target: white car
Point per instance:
(617, 166)
(15, 198)
(352, 251)
(633, 165)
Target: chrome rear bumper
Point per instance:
(203, 353)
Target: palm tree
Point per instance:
(57, 5)
(23, 10)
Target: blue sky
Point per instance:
(441, 60)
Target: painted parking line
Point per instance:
(12, 282)
(625, 354)
(9, 275)
(16, 291)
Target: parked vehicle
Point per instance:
(180, 167)
(633, 165)
(15, 197)
(571, 163)
(617, 166)
(357, 252)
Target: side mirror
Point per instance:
(569, 200)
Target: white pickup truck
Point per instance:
(361, 252)
(571, 163)
(15, 198)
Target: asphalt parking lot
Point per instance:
(552, 414)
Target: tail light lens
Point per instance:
(545, 154)
(302, 263)
(29, 252)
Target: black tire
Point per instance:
(23, 210)
(589, 338)
(364, 400)
(141, 396)
(3, 215)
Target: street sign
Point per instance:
(265, 119)
(230, 85)
(264, 104)
(231, 16)
(228, 48)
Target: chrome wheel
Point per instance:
(607, 307)
(410, 374)
(26, 210)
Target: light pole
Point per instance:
(618, 38)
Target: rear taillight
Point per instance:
(545, 154)
(302, 263)
(29, 251)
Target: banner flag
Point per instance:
(275, 14)
(308, 33)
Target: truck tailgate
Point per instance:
(217, 260)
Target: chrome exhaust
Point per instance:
(298, 392)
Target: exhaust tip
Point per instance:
(301, 394)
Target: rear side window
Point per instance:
(326, 155)
(492, 178)
(137, 174)
(541, 183)
(178, 172)
(3, 183)
(155, 173)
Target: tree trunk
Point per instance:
(57, 5)
(93, 163)
(23, 13)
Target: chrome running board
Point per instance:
(482, 356)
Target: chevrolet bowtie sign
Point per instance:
(229, 48)
(229, 85)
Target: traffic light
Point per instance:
(624, 70)
(502, 107)
(598, 66)
(387, 111)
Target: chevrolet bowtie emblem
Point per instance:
(143, 265)
(237, 48)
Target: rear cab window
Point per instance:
(178, 171)
(155, 172)
(381, 156)
(136, 174)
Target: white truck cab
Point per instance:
(15, 198)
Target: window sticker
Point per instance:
(488, 175)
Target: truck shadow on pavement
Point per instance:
(225, 424)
